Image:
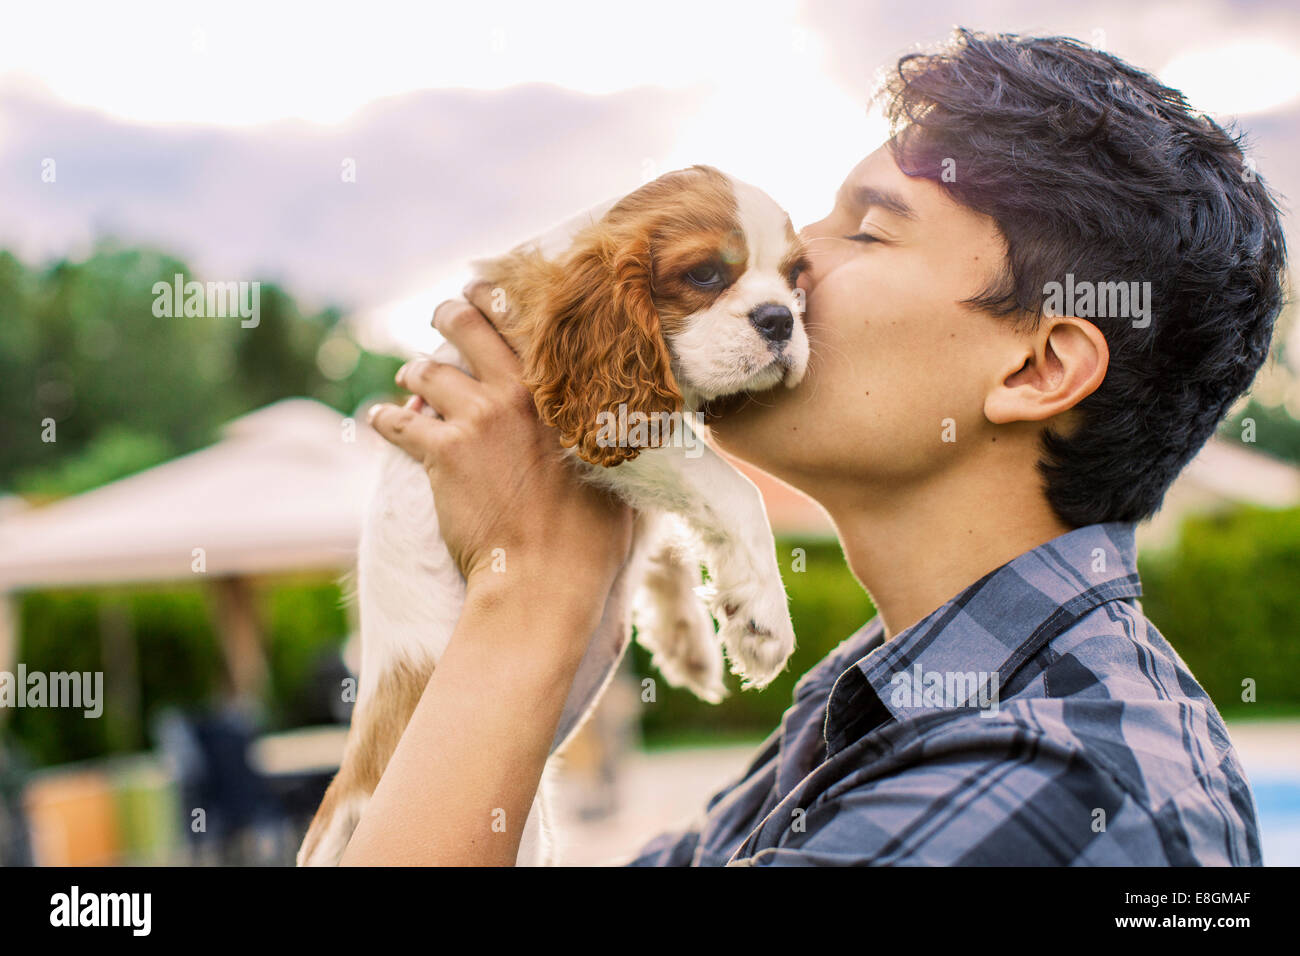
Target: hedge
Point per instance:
(1226, 598)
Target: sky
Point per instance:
(225, 132)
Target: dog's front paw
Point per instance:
(755, 628)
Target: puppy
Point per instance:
(628, 320)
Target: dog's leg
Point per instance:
(382, 713)
(725, 510)
(410, 595)
(332, 827)
(671, 623)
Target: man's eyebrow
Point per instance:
(864, 197)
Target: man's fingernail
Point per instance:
(401, 373)
(433, 320)
(371, 413)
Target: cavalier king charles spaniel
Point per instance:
(647, 312)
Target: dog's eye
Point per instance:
(795, 272)
(705, 276)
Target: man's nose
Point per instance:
(773, 321)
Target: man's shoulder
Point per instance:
(1103, 736)
(1111, 691)
(1116, 655)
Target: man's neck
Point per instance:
(917, 548)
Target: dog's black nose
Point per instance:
(774, 322)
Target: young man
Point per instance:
(983, 432)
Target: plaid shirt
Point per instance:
(1038, 718)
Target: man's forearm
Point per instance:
(474, 750)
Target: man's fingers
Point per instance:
(491, 302)
(413, 432)
(444, 387)
(483, 349)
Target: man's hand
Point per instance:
(511, 507)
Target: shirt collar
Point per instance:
(988, 630)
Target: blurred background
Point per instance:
(180, 496)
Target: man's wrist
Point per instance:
(537, 609)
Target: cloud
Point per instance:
(441, 176)
(447, 174)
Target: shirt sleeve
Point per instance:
(1000, 795)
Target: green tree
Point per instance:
(81, 347)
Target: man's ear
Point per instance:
(1062, 362)
(597, 345)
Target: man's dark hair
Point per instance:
(1093, 168)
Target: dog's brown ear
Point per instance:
(597, 344)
